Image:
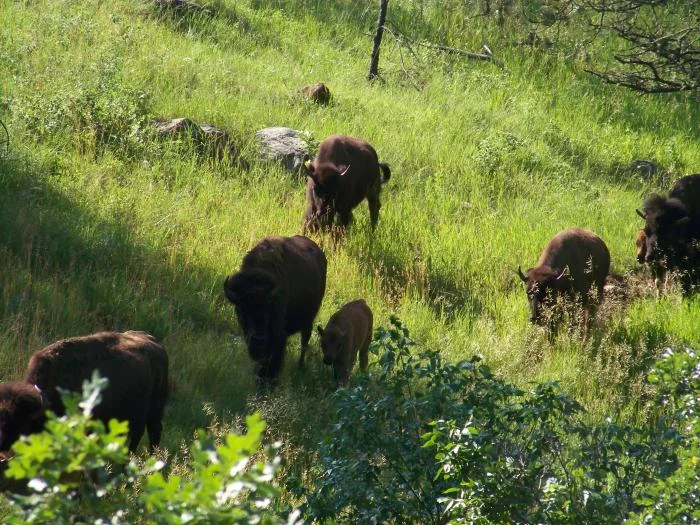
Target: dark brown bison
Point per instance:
(348, 331)
(133, 362)
(345, 172)
(317, 93)
(276, 293)
(573, 266)
(672, 229)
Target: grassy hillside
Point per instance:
(103, 227)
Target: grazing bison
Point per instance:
(573, 265)
(317, 93)
(348, 331)
(133, 362)
(672, 229)
(346, 171)
(276, 293)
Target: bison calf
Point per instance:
(573, 265)
(345, 172)
(276, 293)
(133, 362)
(348, 331)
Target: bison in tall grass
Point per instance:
(572, 267)
(277, 292)
(133, 362)
(672, 229)
(346, 171)
(349, 331)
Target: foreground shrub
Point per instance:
(425, 440)
(79, 472)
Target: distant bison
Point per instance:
(348, 331)
(672, 229)
(276, 293)
(317, 93)
(133, 362)
(573, 265)
(345, 172)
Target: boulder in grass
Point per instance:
(182, 7)
(208, 139)
(317, 93)
(180, 129)
(287, 146)
(647, 169)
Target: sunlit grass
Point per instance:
(488, 164)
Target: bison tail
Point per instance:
(386, 171)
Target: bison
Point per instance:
(573, 265)
(672, 229)
(346, 170)
(133, 362)
(276, 293)
(348, 331)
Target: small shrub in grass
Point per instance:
(78, 471)
(502, 455)
(373, 468)
(99, 114)
(535, 460)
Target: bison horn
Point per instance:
(345, 170)
(522, 275)
(563, 272)
(643, 216)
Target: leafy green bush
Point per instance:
(534, 459)
(79, 472)
(101, 113)
(502, 455)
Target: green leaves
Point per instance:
(424, 440)
(78, 471)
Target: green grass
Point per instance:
(488, 163)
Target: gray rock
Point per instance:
(179, 128)
(646, 168)
(207, 139)
(284, 145)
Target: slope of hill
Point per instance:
(104, 227)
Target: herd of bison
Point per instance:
(281, 283)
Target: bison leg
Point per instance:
(345, 218)
(374, 205)
(136, 430)
(364, 355)
(269, 367)
(305, 337)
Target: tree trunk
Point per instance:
(374, 63)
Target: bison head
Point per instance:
(543, 284)
(666, 221)
(641, 244)
(332, 343)
(255, 295)
(326, 178)
(21, 412)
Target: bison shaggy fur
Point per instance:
(672, 227)
(573, 266)
(133, 362)
(277, 292)
(346, 171)
(349, 331)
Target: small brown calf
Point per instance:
(348, 331)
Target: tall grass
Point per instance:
(119, 231)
